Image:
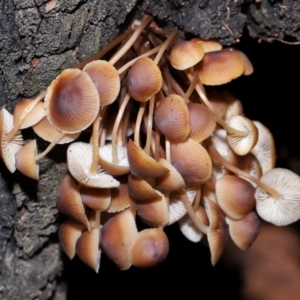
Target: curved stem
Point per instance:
(197, 197)
(138, 123)
(165, 45)
(201, 92)
(150, 124)
(193, 84)
(189, 208)
(115, 129)
(216, 155)
(130, 42)
(95, 141)
(50, 146)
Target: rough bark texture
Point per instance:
(272, 20)
(217, 19)
(38, 39)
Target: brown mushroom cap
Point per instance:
(172, 118)
(72, 101)
(106, 80)
(220, 67)
(149, 248)
(235, 196)
(144, 79)
(186, 54)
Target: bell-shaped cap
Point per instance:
(186, 54)
(72, 101)
(144, 79)
(172, 118)
(149, 248)
(106, 80)
(118, 234)
(235, 196)
(220, 67)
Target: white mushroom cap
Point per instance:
(79, 161)
(286, 209)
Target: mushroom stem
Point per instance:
(50, 146)
(193, 84)
(95, 141)
(130, 42)
(138, 123)
(149, 125)
(122, 108)
(10, 135)
(191, 212)
(197, 197)
(216, 155)
(201, 92)
(172, 37)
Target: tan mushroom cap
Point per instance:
(208, 45)
(243, 232)
(264, 150)
(235, 196)
(220, 67)
(144, 79)
(172, 118)
(36, 114)
(79, 156)
(96, 199)
(9, 149)
(186, 54)
(118, 234)
(69, 232)
(192, 161)
(202, 121)
(49, 133)
(25, 160)
(106, 80)
(154, 212)
(87, 248)
(69, 201)
(242, 145)
(72, 101)
(286, 209)
(142, 164)
(149, 248)
(106, 160)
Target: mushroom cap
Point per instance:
(264, 150)
(286, 209)
(144, 79)
(106, 80)
(172, 118)
(186, 54)
(220, 67)
(149, 248)
(72, 102)
(9, 149)
(79, 156)
(242, 145)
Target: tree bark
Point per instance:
(40, 38)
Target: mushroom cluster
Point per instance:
(162, 149)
